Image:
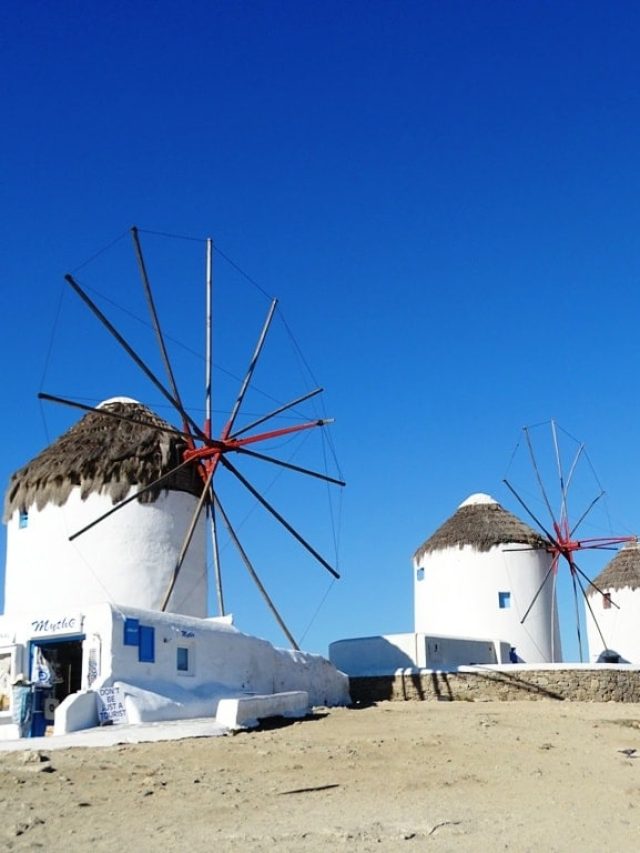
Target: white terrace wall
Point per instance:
(128, 558)
(385, 654)
(218, 658)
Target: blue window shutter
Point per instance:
(131, 628)
(147, 645)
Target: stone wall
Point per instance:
(603, 684)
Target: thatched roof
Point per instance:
(103, 455)
(622, 571)
(482, 523)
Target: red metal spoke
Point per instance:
(275, 412)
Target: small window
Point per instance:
(606, 600)
(420, 574)
(131, 632)
(147, 644)
(504, 600)
(182, 659)
(23, 518)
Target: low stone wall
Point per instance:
(601, 684)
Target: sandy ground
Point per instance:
(537, 776)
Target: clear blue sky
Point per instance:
(444, 196)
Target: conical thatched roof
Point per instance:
(103, 455)
(622, 571)
(481, 522)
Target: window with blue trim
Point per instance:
(420, 574)
(146, 644)
(23, 518)
(131, 631)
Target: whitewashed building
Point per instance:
(474, 580)
(477, 575)
(617, 610)
(82, 622)
(130, 556)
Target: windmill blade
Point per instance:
(552, 616)
(187, 541)
(591, 583)
(279, 517)
(154, 314)
(574, 465)
(252, 572)
(211, 510)
(586, 513)
(51, 398)
(291, 466)
(208, 337)
(128, 500)
(526, 508)
(593, 615)
(133, 354)
(575, 601)
(537, 473)
(554, 563)
(563, 492)
(250, 370)
(278, 411)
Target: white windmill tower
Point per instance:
(123, 498)
(476, 576)
(614, 612)
(119, 456)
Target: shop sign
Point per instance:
(63, 625)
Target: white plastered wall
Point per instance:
(128, 558)
(458, 596)
(222, 656)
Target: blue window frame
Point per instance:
(420, 574)
(131, 632)
(504, 600)
(147, 644)
(23, 518)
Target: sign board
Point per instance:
(66, 624)
(111, 708)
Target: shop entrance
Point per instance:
(56, 671)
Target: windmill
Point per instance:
(561, 533)
(208, 454)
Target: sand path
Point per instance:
(398, 776)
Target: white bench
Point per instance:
(245, 712)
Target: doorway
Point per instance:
(56, 672)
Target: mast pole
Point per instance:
(209, 337)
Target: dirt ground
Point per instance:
(397, 776)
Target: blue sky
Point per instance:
(444, 197)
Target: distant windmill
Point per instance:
(561, 533)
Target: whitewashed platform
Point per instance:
(113, 735)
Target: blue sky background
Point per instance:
(444, 196)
